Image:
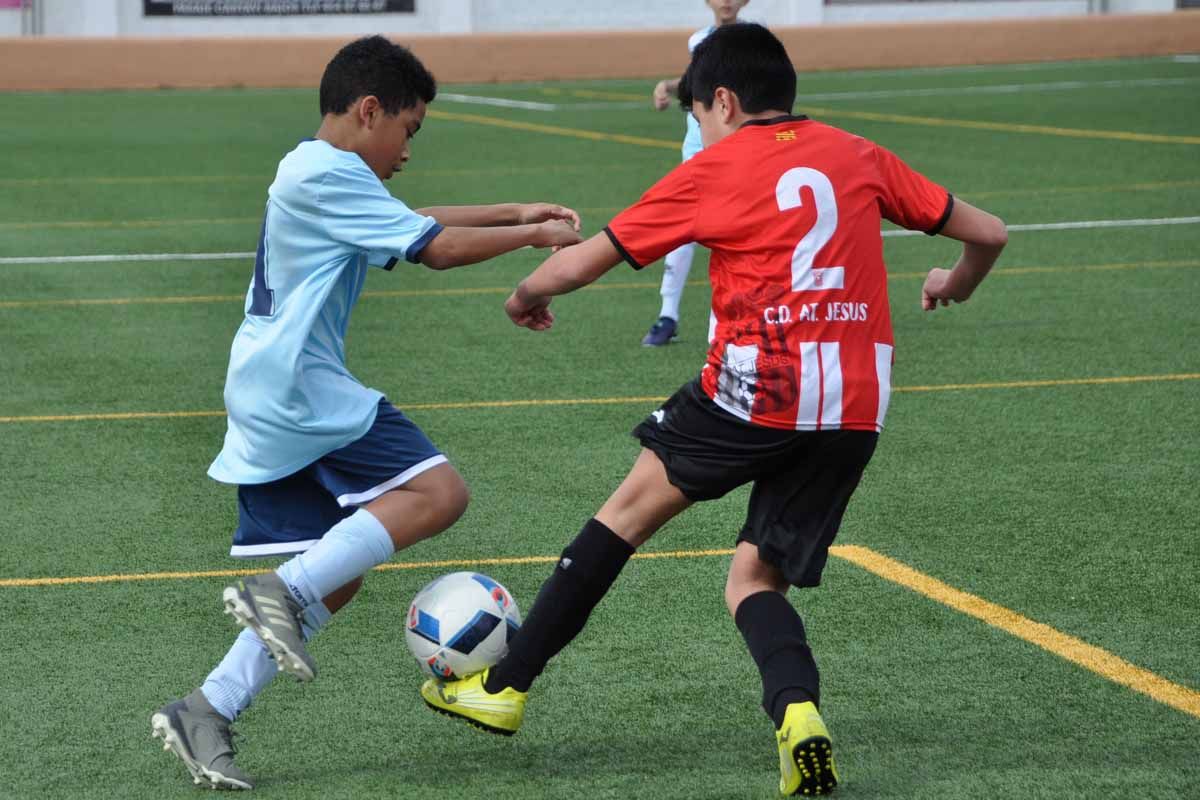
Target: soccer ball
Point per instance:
(461, 624)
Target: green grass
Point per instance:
(1074, 505)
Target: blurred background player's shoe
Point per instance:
(661, 333)
(466, 699)
(201, 737)
(264, 604)
(805, 752)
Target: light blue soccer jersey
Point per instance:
(289, 396)
(692, 143)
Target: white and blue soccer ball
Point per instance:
(461, 624)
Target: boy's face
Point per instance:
(385, 145)
(725, 12)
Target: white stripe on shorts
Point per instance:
(362, 498)
(273, 549)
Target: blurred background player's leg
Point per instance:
(676, 267)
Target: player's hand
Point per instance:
(661, 97)
(939, 288)
(556, 233)
(533, 313)
(531, 213)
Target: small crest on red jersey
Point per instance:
(785, 136)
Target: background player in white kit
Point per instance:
(678, 263)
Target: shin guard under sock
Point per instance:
(583, 575)
(774, 633)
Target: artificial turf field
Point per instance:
(1041, 455)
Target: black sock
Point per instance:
(774, 633)
(583, 575)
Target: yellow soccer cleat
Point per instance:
(805, 753)
(467, 699)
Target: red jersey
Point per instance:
(791, 210)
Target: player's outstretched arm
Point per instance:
(563, 272)
(664, 90)
(500, 214)
(983, 236)
(458, 246)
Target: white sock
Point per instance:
(244, 672)
(351, 547)
(248, 667)
(676, 267)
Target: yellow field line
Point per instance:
(1077, 651)
(1070, 648)
(1007, 127)
(555, 130)
(596, 287)
(390, 566)
(601, 401)
(949, 387)
(114, 416)
(228, 298)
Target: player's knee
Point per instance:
(457, 498)
(734, 594)
(739, 587)
(447, 498)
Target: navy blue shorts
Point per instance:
(291, 514)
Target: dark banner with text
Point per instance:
(272, 8)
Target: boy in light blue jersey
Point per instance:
(325, 467)
(678, 263)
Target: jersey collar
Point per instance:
(775, 120)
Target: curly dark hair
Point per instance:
(375, 66)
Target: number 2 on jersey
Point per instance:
(262, 299)
(806, 277)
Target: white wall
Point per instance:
(124, 17)
(1137, 6)
(844, 13)
(10, 22)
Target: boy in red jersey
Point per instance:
(796, 384)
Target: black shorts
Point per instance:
(802, 479)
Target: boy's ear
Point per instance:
(366, 109)
(726, 104)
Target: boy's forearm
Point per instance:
(459, 246)
(973, 266)
(569, 269)
(475, 216)
(553, 278)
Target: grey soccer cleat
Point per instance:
(200, 736)
(264, 604)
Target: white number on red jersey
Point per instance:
(806, 277)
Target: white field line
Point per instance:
(501, 102)
(1006, 88)
(1081, 225)
(116, 257)
(98, 259)
(1033, 66)
(1187, 59)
